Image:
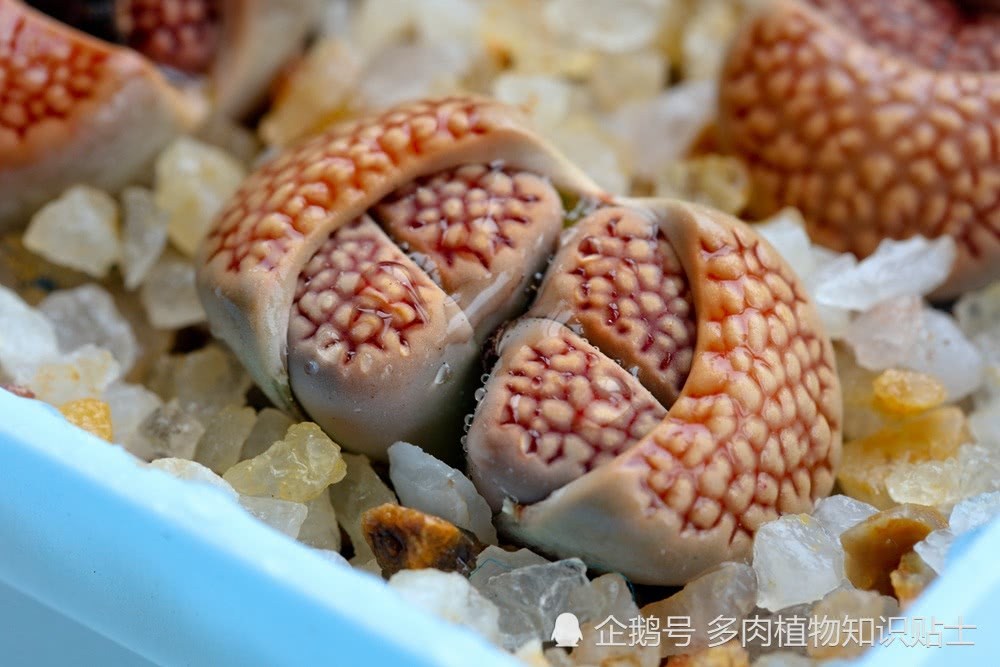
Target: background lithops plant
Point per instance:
(77, 109)
(668, 392)
(876, 119)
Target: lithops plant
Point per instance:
(669, 390)
(877, 119)
(77, 109)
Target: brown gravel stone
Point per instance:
(730, 654)
(407, 539)
(911, 578)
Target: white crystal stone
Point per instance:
(185, 469)
(84, 373)
(886, 335)
(728, 591)
(619, 79)
(169, 431)
(530, 598)
(935, 483)
(836, 320)
(609, 596)
(913, 267)
(359, 491)
(87, 314)
(144, 235)
(320, 528)
(204, 381)
(78, 230)
(978, 315)
(455, 22)
(448, 595)
(193, 181)
(612, 26)
(796, 561)
(494, 560)
(840, 512)
(933, 549)
(593, 149)
(169, 294)
(705, 38)
(973, 512)
(429, 485)
(381, 23)
(409, 71)
(27, 338)
(225, 433)
(282, 515)
(942, 350)
(675, 118)
(786, 231)
(130, 405)
(270, 427)
(547, 99)
(333, 557)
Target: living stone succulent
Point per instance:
(77, 109)
(669, 390)
(876, 119)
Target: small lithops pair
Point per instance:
(76, 109)
(877, 119)
(668, 391)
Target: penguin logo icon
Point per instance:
(566, 633)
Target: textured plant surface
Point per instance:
(876, 120)
(669, 390)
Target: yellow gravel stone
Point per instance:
(902, 392)
(298, 468)
(91, 415)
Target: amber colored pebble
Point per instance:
(933, 435)
(911, 578)
(730, 654)
(875, 547)
(903, 392)
(407, 539)
(91, 415)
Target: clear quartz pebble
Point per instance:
(530, 598)
(205, 381)
(409, 71)
(87, 315)
(185, 469)
(709, 29)
(168, 294)
(271, 426)
(297, 468)
(423, 482)
(170, 431)
(449, 596)
(728, 591)
(284, 516)
(320, 529)
(225, 432)
(942, 350)
(934, 548)
(494, 560)
(611, 26)
(27, 338)
(359, 491)
(332, 557)
(934, 483)
(78, 230)
(866, 611)
(83, 373)
(973, 512)
(130, 405)
(978, 315)
(455, 22)
(840, 512)
(592, 148)
(675, 118)
(547, 99)
(618, 79)
(783, 658)
(193, 181)
(796, 560)
(609, 596)
(914, 267)
(886, 335)
(144, 234)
